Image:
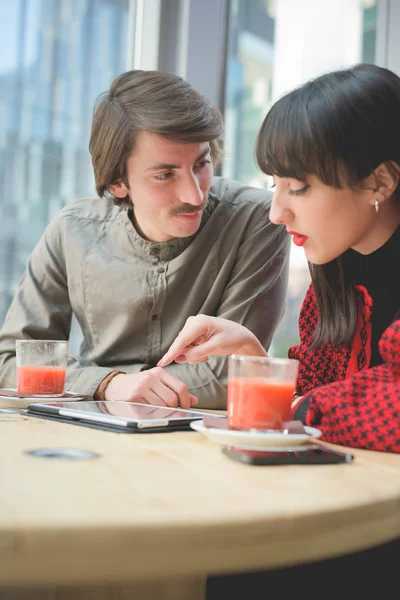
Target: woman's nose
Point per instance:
(279, 212)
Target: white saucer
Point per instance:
(9, 398)
(254, 439)
(302, 448)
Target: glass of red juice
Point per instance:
(260, 391)
(41, 367)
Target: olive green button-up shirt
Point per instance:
(131, 296)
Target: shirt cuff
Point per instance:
(101, 389)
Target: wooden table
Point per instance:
(156, 513)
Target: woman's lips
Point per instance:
(298, 238)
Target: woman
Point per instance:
(332, 147)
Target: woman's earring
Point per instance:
(376, 206)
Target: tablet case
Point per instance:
(109, 427)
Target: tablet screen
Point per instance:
(130, 412)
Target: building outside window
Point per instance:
(56, 56)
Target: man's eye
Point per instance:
(203, 163)
(163, 176)
(300, 191)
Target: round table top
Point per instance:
(170, 504)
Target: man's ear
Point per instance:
(119, 189)
(386, 176)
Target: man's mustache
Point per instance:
(187, 209)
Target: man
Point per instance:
(165, 240)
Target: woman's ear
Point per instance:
(386, 176)
(119, 189)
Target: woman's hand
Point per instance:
(203, 336)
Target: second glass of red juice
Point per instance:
(41, 367)
(260, 391)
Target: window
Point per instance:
(273, 46)
(56, 56)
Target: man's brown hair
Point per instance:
(155, 101)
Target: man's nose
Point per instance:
(191, 192)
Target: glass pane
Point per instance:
(273, 46)
(56, 56)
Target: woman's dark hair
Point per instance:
(338, 127)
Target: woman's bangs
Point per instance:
(280, 147)
(290, 145)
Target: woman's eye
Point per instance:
(299, 192)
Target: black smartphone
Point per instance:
(315, 455)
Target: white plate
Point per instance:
(10, 399)
(302, 448)
(254, 439)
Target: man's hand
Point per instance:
(154, 386)
(203, 336)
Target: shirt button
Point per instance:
(154, 317)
